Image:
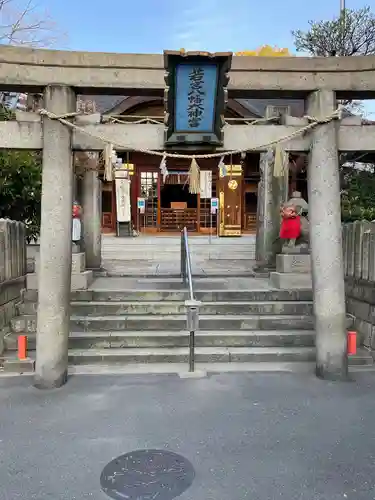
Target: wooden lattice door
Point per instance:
(149, 190)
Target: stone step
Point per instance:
(123, 271)
(126, 339)
(165, 307)
(168, 255)
(160, 294)
(181, 355)
(173, 307)
(27, 323)
(359, 363)
(178, 322)
(162, 240)
(205, 355)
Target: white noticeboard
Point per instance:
(123, 199)
(76, 230)
(206, 183)
(214, 205)
(141, 205)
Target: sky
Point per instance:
(213, 25)
(151, 26)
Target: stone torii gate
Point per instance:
(60, 75)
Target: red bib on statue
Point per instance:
(290, 228)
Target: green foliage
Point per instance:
(20, 185)
(349, 34)
(358, 196)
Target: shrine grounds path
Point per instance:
(248, 436)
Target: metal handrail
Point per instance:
(191, 304)
(186, 263)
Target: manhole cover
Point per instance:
(147, 475)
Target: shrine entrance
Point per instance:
(178, 207)
(168, 205)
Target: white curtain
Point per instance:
(123, 199)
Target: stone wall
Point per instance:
(359, 268)
(12, 271)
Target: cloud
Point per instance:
(228, 25)
(202, 25)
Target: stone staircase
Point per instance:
(150, 256)
(123, 322)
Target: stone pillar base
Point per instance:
(81, 278)
(293, 272)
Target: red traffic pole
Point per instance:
(352, 343)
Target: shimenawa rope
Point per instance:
(314, 122)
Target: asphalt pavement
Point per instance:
(227, 437)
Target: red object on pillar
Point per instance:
(22, 347)
(352, 343)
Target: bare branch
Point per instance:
(350, 34)
(23, 24)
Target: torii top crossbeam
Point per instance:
(31, 70)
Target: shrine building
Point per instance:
(168, 204)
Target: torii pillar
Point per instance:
(272, 193)
(326, 242)
(55, 243)
(92, 213)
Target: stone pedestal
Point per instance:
(293, 272)
(81, 278)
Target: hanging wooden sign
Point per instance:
(195, 97)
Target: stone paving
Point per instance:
(256, 436)
(160, 255)
(157, 255)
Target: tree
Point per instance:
(23, 24)
(20, 185)
(352, 33)
(358, 195)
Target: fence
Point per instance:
(359, 269)
(12, 270)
